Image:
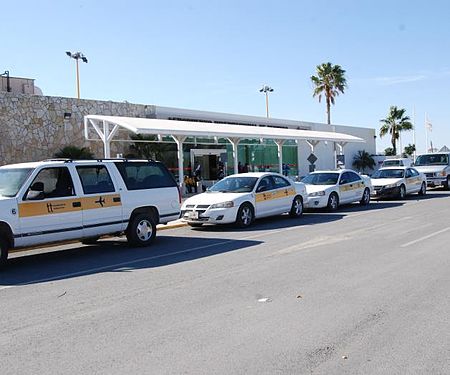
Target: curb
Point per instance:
(170, 226)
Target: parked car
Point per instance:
(436, 168)
(58, 200)
(397, 162)
(332, 188)
(398, 182)
(242, 198)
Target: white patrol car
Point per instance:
(332, 188)
(241, 198)
(397, 182)
(58, 200)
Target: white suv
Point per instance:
(59, 200)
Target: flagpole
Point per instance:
(426, 134)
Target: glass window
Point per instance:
(389, 173)
(414, 172)
(319, 178)
(432, 159)
(235, 185)
(11, 180)
(54, 183)
(408, 173)
(265, 184)
(345, 178)
(280, 182)
(353, 177)
(145, 175)
(95, 179)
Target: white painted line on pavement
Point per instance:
(425, 237)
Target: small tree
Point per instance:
(389, 151)
(363, 160)
(73, 152)
(409, 150)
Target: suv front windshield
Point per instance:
(432, 159)
(389, 173)
(11, 180)
(235, 185)
(321, 179)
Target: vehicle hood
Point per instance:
(430, 168)
(385, 181)
(314, 188)
(213, 197)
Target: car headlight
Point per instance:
(317, 194)
(228, 204)
(443, 173)
(390, 186)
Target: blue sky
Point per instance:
(215, 55)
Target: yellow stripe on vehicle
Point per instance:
(281, 193)
(51, 207)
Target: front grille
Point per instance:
(203, 206)
(429, 174)
(190, 206)
(377, 188)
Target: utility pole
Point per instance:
(77, 56)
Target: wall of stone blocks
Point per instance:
(34, 127)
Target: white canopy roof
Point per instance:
(202, 129)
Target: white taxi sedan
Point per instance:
(241, 198)
(332, 188)
(398, 181)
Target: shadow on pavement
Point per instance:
(112, 256)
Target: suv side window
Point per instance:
(95, 179)
(54, 183)
(145, 175)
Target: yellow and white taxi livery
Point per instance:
(58, 200)
(241, 198)
(398, 182)
(332, 188)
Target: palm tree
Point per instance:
(363, 160)
(394, 124)
(330, 81)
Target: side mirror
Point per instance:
(34, 195)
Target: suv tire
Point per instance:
(141, 230)
(3, 251)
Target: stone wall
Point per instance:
(36, 127)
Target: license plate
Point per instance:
(193, 215)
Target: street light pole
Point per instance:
(266, 89)
(77, 56)
(8, 86)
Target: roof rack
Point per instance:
(65, 160)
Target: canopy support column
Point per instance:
(298, 157)
(340, 146)
(180, 156)
(280, 143)
(234, 144)
(312, 144)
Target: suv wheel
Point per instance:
(447, 184)
(3, 251)
(141, 230)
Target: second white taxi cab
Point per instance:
(332, 188)
(241, 198)
(398, 181)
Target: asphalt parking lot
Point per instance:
(363, 290)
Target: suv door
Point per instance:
(101, 202)
(49, 210)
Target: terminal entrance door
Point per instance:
(209, 160)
